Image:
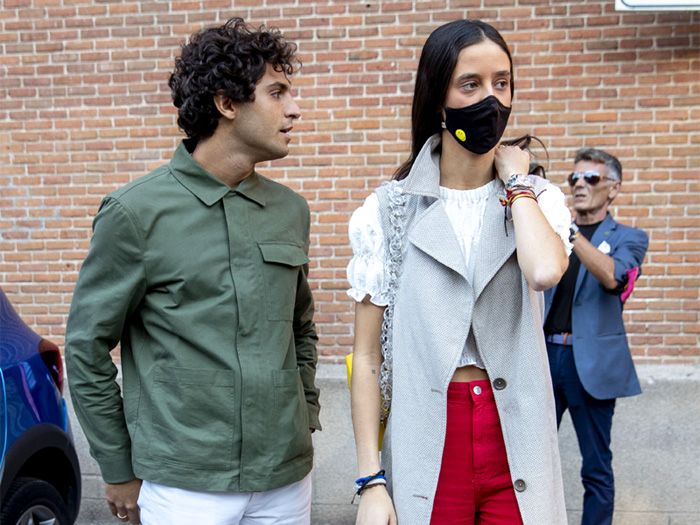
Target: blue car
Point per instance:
(39, 471)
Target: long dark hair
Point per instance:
(435, 67)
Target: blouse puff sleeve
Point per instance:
(552, 202)
(365, 271)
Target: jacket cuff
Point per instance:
(620, 272)
(116, 469)
(313, 416)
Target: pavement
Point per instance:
(656, 448)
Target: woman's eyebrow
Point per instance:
(470, 76)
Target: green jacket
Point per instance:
(206, 289)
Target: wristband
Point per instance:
(516, 193)
(573, 232)
(519, 181)
(373, 483)
(368, 481)
(523, 195)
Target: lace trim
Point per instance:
(394, 259)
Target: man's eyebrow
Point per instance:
(278, 85)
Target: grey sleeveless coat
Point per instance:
(435, 307)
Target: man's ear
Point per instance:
(614, 190)
(226, 106)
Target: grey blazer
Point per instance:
(435, 307)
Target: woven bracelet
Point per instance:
(368, 481)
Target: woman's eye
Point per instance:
(502, 84)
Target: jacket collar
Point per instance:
(603, 231)
(424, 177)
(205, 186)
(432, 231)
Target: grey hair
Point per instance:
(601, 157)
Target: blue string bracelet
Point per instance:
(362, 483)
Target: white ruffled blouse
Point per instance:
(465, 209)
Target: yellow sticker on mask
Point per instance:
(461, 135)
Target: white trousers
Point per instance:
(288, 505)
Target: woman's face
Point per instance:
(482, 69)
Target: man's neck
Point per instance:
(591, 217)
(223, 161)
(462, 170)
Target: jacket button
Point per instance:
(499, 383)
(520, 485)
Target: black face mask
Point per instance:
(478, 127)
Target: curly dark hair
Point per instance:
(228, 60)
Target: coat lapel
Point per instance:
(601, 234)
(432, 232)
(496, 244)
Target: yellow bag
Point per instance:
(348, 366)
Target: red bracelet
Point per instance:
(513, 194)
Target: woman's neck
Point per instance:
(461, 169)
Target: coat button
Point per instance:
(477, 390)
(499, 383)
(520, 485)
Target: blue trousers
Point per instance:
(592, 419)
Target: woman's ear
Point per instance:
(225, 106)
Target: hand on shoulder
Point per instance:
(511, 160)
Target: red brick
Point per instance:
(88, 110)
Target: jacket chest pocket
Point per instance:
(282, 264)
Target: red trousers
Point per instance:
(474, 487)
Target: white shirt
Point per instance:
(465, 209)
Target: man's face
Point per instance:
(593, 199)
(263, 127)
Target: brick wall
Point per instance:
(84, 108)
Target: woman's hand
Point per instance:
(376, 507)
(511, 160)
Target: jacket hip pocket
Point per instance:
(191, 417)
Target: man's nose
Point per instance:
(292, 110)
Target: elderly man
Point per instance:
(589, 355)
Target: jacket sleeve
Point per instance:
(305, 338)
(629, 254)
(110, 286)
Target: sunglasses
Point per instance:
(591, 177)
